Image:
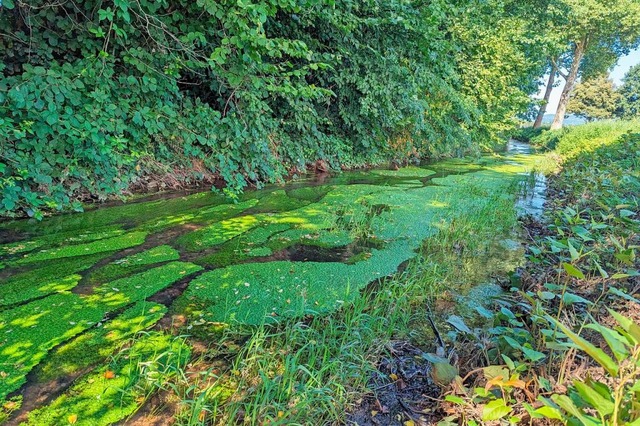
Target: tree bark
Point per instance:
(547, 95)
(578, 54)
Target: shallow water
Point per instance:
(304, 248)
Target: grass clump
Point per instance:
(97, 344)
(573, 140)
(114, 392)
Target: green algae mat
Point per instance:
(77, 291)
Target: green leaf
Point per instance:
(458, 323)
(549, 412)
(596, 353)
(532, 354)
(454, 399)
(627, 325)
(574, 253)
(615, 340)
(570, 299)
(573, 271)
(495, 410)
(594, 399)
(566, 404)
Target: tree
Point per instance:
(594, 99)
(598, 32)
(629, 101)
(547, 94)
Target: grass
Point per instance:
(573, 140)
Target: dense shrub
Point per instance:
(96, 94)
(527, 133)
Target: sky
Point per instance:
(617, 73)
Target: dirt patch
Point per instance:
(402, 390)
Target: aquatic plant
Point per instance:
(113, 392)
(97, 344)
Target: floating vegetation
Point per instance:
(114, 392)
(74, 293)
(97, 344)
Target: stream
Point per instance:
(304, 248)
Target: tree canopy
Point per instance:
(629, 102)
(594, 99)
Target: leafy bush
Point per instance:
(526, 134)
(110, 93)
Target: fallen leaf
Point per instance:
(109, 375)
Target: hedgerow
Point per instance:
(97, 96)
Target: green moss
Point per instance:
(97, 400)
(30, 331)
(96, 345)
(134, 263)
(276, 202)
(56, 276)
(255, 293)
(309, 193)
(110, 244)
(204, 215)
(58, 239)
(123, 291)
(259, 252)
(217, 233)
(405, 172)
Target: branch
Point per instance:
(558, 70)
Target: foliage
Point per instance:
(111, 95)
(528, 133)
(590, 36)
(629, 107)
(573, 140)
(594, 99)
(533, 333)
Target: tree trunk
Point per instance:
(547, 95)
(578, 54)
